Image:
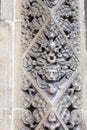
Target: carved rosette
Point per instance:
(51, 81)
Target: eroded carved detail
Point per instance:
(68, 18)
(50, 3)
(35, 106)
(34, 16)
(50, 61)
(69, 104)
(51, 123)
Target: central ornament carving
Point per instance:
(50, 60)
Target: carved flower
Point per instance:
(66, 101)
(72, 63)
(26, 84)
(75, 118)
(34, 73)
(27, 63)
(65, 114)
(27, 117)
(36, 108)
(38, 102)
(38, 114)
(75, 101)
(26, 100)
(77, 84)
(68, 73)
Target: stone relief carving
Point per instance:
(51, 65)
(34, 104)
(50, 61)
(52, 123)
(67, 16)
(34, 16)
(51, 3)
(69, 104)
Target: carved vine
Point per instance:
(52, 123)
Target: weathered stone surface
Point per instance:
(5, 66)
(34, 16)
(51, 63)
(43, 76)
(6, 10)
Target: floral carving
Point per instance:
(52, 123)
(34, 16)
(69, 104)
(67, 17)
(35, 105)
(51, 65)
(50, 61)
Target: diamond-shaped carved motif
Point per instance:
(50, 61)
(51, 123)
(51, 83)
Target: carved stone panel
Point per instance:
(50, 61)
(51, 65)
